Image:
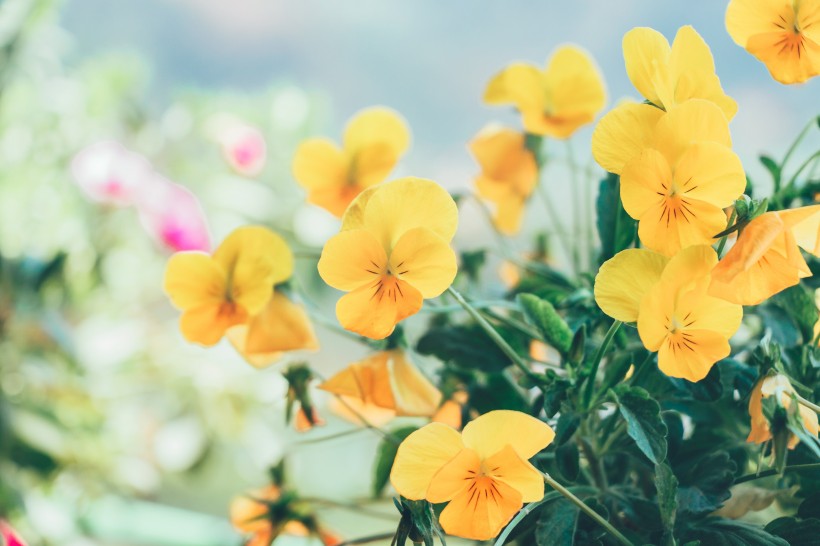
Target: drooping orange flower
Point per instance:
(508, 176)
(766, 258)
(389, 380)
(783, 34)
(780, 387)
(301, 422)
(555, 101)
(373, 142)
(483, 473)
(667, 76)
(226, 289)
(392, 253)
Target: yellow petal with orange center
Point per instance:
(645, 183)
(489, 433)
(207, 324)
(425, 261)
(481, 510)
(691, 356)
(508, 467)
(420, 456)
(679, 222)
(194, 279)
(646, 54)
(745, 18)
(455, 476)
(352, 259)
(377, 126)
(790, 57)
(623, 280)
(374, 309)
(622, 133)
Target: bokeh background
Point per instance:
(123, 433)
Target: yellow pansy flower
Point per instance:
(218, 292)
(373, 142)
(677, 169)
(555, 101)
(388, 380)
(777, 385)
(483, 473)
(392, 253)
(508, 176)
(766, 257)
(669, 299)
(667, 76)
(784, 34)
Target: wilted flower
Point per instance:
(780, 387)
(244, 148)
(173, 216)
(766, 258)
(784, 35)
(483, 473)
(508, 176)
(392, 253)
(373, 142)
(109, 173)
(555, 101)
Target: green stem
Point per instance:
(523, 513)
(773, 472)
(586, 509)
(556, 225)
(799, 138)
(799, 170)
(722, 242)
(590, 387)
(517, 359)
(576, 206)
(814, 407)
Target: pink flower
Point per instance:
(173, 216)
(109, 173)
(244, 148)
(9, 535)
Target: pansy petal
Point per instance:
(354, 214)
(645, 52)
(692, 121)
(374, 309)
(420, 456)
(745, 18)
(352, 259)
(519, 84)
(519, 474)
(456, 475)
(778, 51)
(490, 432)
(623, 280)
(208, 323)
(692, 357)
(193, 279)
(424, 260)
(760, 431)
(710, 172)
(710, 313)
(689, 50)
(415, 395)
(372, 165)
(676, 224)
(409, 203)
(623, 133)
(318, 164)
(645, 182)
(481, 513)
(574, 83)
(377, 126)
(804, 223)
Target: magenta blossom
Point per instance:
(109, 173)
(173, 216)
(244, 148)
(9, 535)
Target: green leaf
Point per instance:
(725, 532)
(798, 303)
(704, 482)
(467, 346)
(568, 462)
(616, 229)
(562, 524)
(568, 423)
(797, 532)
(771, 166)
(385, 455)
(643, 420)
(555, 392)
(541, 314)
(666, 486)
(497, 392)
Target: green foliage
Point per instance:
(541, 314)
(616, 229)
(644, 423)
(418, 523)
(385, 455)
(666, 486)
(466, 346)
(563, 524)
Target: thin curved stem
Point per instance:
(803, 402)
(722, 242)
(586, 509)
(773, 472)
(800, 169)
(590, 386)
(797, 141)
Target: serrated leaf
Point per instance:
(541, 314)
(616, 229)
(385, 455)
(705, 482)
(643, 421)
(558, 524)
(666, 485)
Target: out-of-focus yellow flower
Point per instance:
(555, 101)
(359, 412)
(301, 422)
(393, 251)
(373, 142)
(784, 34)
(280, 327)
(249, 515)
(668, 76)
(450, 412)
(766, 258)
(669, 299)
(226, 289)
(483, 473)
(779, 386)
(677, 171)
(508, 176)
(387, 379)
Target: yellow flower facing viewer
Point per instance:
(555, 101)
(388, 380)
(392, 253)
(669, 300)
(483, 473)
(373, 142)
(780, 387)
(218, 292)
(766, 257)
(667, 76)
(508, 176)
(677, 169)
(783, 34)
